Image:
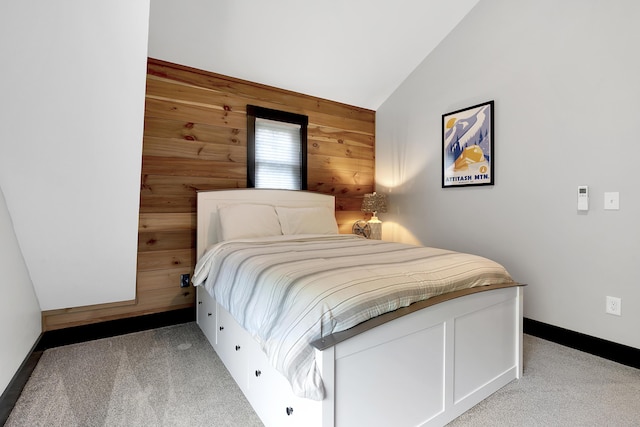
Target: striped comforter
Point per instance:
(288, 291)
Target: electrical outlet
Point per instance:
(184, 280)
(614, 306)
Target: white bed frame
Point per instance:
(423, 368)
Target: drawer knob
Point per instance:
(237, 347)
(289, 410)
(209, 314)
(221, 328)
(258, 372)
(199, 302)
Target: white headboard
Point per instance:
(208, 202)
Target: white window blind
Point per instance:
(277, 155)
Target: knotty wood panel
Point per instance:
(166, 240)
(176, 186)
(158, 301)
(195, 138)
(165, 260)
(179, 130)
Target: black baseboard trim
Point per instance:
(112, 328)
(11, 394)
(77, 334)
(610, 350)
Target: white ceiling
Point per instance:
(352, 51)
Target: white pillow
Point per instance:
(319, 220)
(243, 221)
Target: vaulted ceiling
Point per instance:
(351, 51)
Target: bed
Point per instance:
(406, 361)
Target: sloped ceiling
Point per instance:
(352, 51)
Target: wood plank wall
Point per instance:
(195, 139)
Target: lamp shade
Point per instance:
(374, 202)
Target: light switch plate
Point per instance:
(612, 200)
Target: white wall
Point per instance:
(564, 77)
(71, 120)
(329, 48)
(20, 321)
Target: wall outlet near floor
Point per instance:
(184, 281)
(614, 306)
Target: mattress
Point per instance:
(288, 291)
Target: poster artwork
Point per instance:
(467, 151)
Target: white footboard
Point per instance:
(425, 368)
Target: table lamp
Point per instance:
(374, 202)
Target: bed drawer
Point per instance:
(206, 314)
(232, 345)
(272, 398)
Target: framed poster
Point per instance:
(467, 146)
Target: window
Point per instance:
(276, 149)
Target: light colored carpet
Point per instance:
(164, 377)
(561, 387)
(172, 377)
